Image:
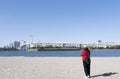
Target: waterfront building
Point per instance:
(16, 44)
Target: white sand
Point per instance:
(57, 68)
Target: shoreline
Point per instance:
(33, 50)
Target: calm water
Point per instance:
(94, 53)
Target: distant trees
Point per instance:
(113, 47)
(108, 47)
(50, 47)
(8, 49)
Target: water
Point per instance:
(94, 53)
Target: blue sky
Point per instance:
(59, 20)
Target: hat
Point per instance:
(85, 47)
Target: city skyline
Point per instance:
(59, 21)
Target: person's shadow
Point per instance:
(105, 74)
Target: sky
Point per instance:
(59, 20)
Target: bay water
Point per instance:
(94, 53)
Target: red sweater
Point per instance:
(85, 54)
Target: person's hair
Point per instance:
(86, 48)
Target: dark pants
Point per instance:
(86, 66)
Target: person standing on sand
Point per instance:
(86, 61)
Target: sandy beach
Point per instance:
(57, 68)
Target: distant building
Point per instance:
(16, 44)
(71, 45)
(99, 41)
(11, 45)
(21, 45)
